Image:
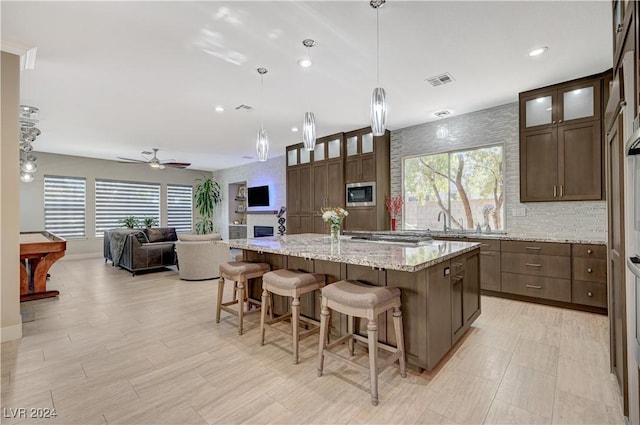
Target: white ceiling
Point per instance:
(115, 78)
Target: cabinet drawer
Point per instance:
(592, 270)
(535, 286)
(590, 251)
(457, 265)
(589, 293)
(542, 248)
(486, 244)
(537, 265)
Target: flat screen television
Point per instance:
(258, 196)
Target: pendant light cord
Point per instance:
(378, 45)
(262, 101)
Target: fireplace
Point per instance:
(261, 231)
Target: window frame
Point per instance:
(501, 143)
(180, 229)
(84, 207)
(99, 229)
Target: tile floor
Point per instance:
(117, 349)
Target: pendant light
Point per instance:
(378, 97)
(309, 121)
(262, 145)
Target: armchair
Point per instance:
(199, 256)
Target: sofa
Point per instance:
(199, 256)
(138, 250)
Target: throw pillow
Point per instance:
(155, 235)
(142, 237)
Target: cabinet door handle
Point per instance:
(589, 270)
(536, 248)
(484, 244)
(589, 251)
(533, 265)
(534, 286)
(561, 190)
(458, 265)
(619, 28)
(553, 122)
(486, 253)
(555, 191)
(590, 294)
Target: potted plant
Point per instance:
(150, 221)
(130, 221)
(206, 197)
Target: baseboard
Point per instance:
(9, 333)
(82, 256)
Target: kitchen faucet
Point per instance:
(444, 224)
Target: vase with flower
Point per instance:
(334, 216)
(394, 207)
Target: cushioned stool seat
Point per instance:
(240, 272)
(355, 299)
(289, 283)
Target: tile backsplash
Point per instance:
(571, 220)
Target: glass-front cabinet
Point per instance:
(568, 104)
(360, 143)
(328, 148)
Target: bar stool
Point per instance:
(355, 299)
(240, 272)
(289, 283)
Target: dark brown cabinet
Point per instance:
(561, 142)
(314, 180)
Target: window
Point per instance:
(179, 206)
(65, 206)
(116, 200)
(460, 189)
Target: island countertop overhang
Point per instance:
(391, 256)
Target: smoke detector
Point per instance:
(440, 79)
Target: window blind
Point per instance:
(179, 207)
(116, 200)
(65, 206)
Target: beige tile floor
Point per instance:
(117, 349)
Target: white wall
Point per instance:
(10, 320)
(572, 220)
(32, 194)
(272, 173)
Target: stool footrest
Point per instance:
(235, 311)
(344, 359)
(337, 342)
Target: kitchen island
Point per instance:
(439, 281)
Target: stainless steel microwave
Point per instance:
(361, 194)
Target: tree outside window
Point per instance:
(466, 187)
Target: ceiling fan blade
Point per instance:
(132, 160)
(177, 164)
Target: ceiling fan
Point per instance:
(154, 162)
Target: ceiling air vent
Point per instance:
(442, 114)
(441, 79)
(246, 157)
(244, 107)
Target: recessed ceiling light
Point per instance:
(538, 51)
(219, 109)
(294, 129)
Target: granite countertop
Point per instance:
(596, 239)
(393, 256)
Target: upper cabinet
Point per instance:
(622, 15)
(360, 155)
(561, 142)
(564, 104)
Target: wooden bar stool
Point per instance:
(240, 272)
(289, 283)
(358, 300)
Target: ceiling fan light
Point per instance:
(309, 131)
(378, 111)
(262, 145)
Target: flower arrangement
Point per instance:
(334, 217)
(394, 205)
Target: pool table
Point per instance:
(38, 251)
